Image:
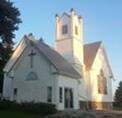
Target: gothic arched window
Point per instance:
(102, 83)
(32, 76)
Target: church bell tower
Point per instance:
(69, 37)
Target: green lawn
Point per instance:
(15, 114)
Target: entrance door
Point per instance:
(68, 96)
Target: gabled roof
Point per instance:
(90, 51)
(62, 66)
(17, 53)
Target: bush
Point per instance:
(29, 107)
(6, 105)
(38, 108)
(118, 96)
(117, 105)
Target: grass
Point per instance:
(117, 108)
(15, 114)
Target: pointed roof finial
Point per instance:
(56, 15)
(73, 12)
(41, 39)
(30, 34)
(72, 9)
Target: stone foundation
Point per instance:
(95, 105)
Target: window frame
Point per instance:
(49, 94)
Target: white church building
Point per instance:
(72, 75)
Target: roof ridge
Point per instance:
(93, 43)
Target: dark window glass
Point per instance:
(49, 94)
(15, 91)
(64, 29)
(60, 94)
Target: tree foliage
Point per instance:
(9, 21)
(118, 96)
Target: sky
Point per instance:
(102, 21)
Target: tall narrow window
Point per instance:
(15, 91)
(49, 94)
(76, 30)
(60, 94)
(64, 29)
(105, 85)
(102, 83)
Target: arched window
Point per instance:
(102, 83)
(32, 76)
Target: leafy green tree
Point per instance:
(9, 21)
(118, 96)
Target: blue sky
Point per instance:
(102, 21)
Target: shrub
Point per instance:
(117, 106)
(38, 108)
(5, 105)
(118, 96)
(29, 107)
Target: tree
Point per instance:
(9, 21)
(118, 96)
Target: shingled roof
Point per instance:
(62, 66)
(90, 51)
